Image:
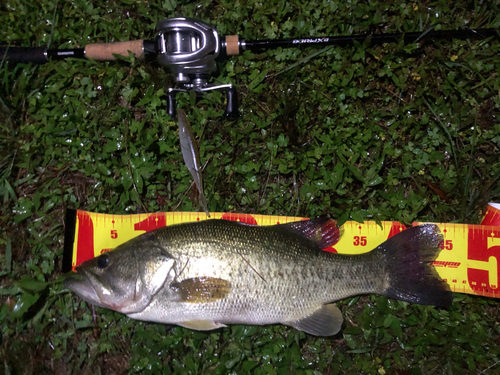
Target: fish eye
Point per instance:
(103, 261)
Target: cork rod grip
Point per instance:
(105, 51)
(232, 45)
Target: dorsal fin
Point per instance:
(323, 230)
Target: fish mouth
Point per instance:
(80, 284)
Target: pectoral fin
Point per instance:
(201, 289)
(201, 325)
(326, 321)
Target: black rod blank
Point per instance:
(374, 39)
(38, 55)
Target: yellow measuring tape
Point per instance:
(469, 262)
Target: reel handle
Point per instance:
(231, 100)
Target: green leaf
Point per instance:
(249, 365)
(22, 305)
(10, 291)
(110, 147)
(8, 256)
(30, 285)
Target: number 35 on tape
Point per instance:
(469, 261)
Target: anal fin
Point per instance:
(201, 325)
(326, 321)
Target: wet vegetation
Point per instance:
(388, 132)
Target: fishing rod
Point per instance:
(190, 47)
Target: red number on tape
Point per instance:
(359, 241)
(478, 250)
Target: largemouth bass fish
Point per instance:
(207, 274)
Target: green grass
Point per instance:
(359, 132)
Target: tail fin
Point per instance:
(408, 257)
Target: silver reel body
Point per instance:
(189, 47)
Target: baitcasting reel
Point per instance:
(189, 47)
